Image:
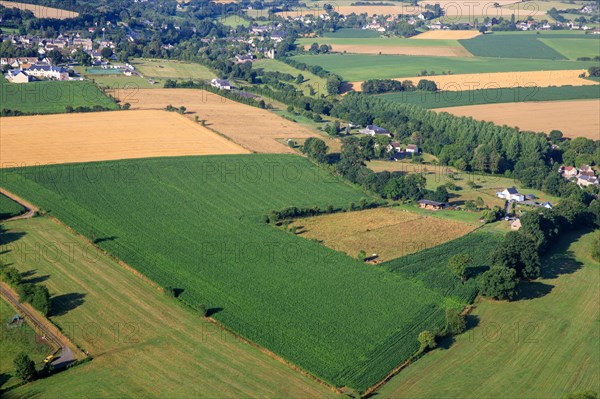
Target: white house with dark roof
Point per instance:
(221, 84)
(413, 149)
(47, 71)
(374, 130)
(511, 194)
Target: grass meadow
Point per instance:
(51, 97)
(14, 341)
(206, 237)
(547, 340)
(143, 343)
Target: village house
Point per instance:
(568, 172)
(239, 59)
(431, 205)
(221, 84)
(17, 76)
(394, 146)
(17, 62)
(374, 130)
(511, 194)
(515, 224)
(47, 71)
(413, 149)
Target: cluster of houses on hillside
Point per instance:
(45, 45)
(584, 176)
(37, 71)
(395, 148)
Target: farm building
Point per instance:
(239, 59)
(221, 84)
(511, 194)
(374, 130)
(568, 171)
(394, 146)
(431, 205)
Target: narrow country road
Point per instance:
(43, 326)
(30, 208)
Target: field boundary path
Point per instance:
(30, 208)
(68, 352)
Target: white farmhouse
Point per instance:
(511, 194)
(221, 84)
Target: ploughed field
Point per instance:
(196, 224)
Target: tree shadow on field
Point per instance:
(61, 304)
(7, 238)
(30, 277)
(532, 290)
(475, 271)
(177, 292)
(3, 378)
(104, 239)
(212, 311)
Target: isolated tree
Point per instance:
(316, 149)
(455, 322)
(182, 110)
(519, 252)
(169, 291)
(427, 340)
(106, 52)
(203, 310)
(362, 255)
(582, 395)
(458, 265)
(24, 367)
(40, 299)
(299, 78)
(499, 282)
(555, 136)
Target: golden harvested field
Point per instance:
(440, 51)
(100, 136)
(253, 128)
(387, 232)
(574, 118)
(447, 34)
(41, 11)
(471, 81)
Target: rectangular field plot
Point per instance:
(387, 232)
(359, 67)
(96, 136)
(319, 309)
(510, 46)
(573, 118)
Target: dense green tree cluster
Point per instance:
(469, 144)
(35, 294)
(377, 86)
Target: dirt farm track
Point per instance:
(102, 136)
(574, 118)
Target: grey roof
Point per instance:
(377, 129)
(512, 190)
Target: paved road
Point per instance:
(65, 356)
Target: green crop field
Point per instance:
(196, 224)
(575, 48)
(359, 67)
(318, 83)
(544, 345)
(234, 21)
(9, 208)
(494, 96)
(16, 340)
(51, 97)
(351, 33)
(379, 41)
(144, 344)
(510, 46)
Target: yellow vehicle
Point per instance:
(49, 359)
